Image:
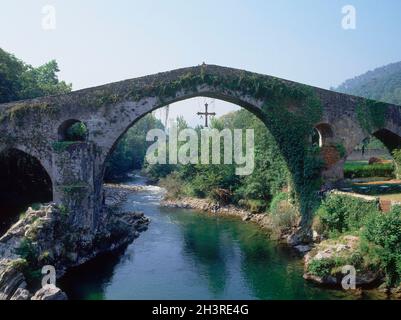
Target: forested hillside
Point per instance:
(382, 84)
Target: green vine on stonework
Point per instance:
(61, 146)
(75, 191)
(257, 86)
(396, 153)
(341, 149)
(74, 187)
(371, 115)
(303, 161)
(20, 111)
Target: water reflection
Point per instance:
(204, 248)
(90, 280)
(190, 255)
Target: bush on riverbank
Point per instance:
(173, 185)
(340, 213)
(284, 216)
(327, 259)
(383, 232)
(379, 234)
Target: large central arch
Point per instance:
(288, 113)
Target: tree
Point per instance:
(19, 80)
(268, 179)
(130, 151)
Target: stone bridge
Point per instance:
(73, 170)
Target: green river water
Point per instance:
(186, 254)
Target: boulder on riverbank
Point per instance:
(46, 237)
(11, 278)
(49, 292)
(324, 263)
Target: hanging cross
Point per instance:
(206, 114)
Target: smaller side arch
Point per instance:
(72, 130)
(332, 151)
(388, 138)
(23, 181)
(392, 142)
(325, 133)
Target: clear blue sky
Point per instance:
(97, 42)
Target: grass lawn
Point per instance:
(362, 169)
(373, 179)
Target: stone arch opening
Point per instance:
(322, 134)
(373, 166)
(331, 152)
(72, 130)
(315, 138)
(391, 140)
(23, 182)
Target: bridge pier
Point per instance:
(73, 171)
(335, 172)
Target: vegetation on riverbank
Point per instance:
(130, 151)
(356, 231)
(378, 235)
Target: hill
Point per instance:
(382, 84)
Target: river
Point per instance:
(187, 254)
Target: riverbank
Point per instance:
(314, 254)
(44, 237)
(263, 220)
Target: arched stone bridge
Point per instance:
(36, 127)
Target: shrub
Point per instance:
(27, 250)
(282, 196)
(284, 215)
(341, 213)
(36, 206)
(173, 185)
(321, 267)
(397, 159)
(318, 225)
(334, 265)
(29, 255)
(223, 196)
(384, 231)
(77, 132)
(341, 150)
(253, 205)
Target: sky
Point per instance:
(97, 42)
